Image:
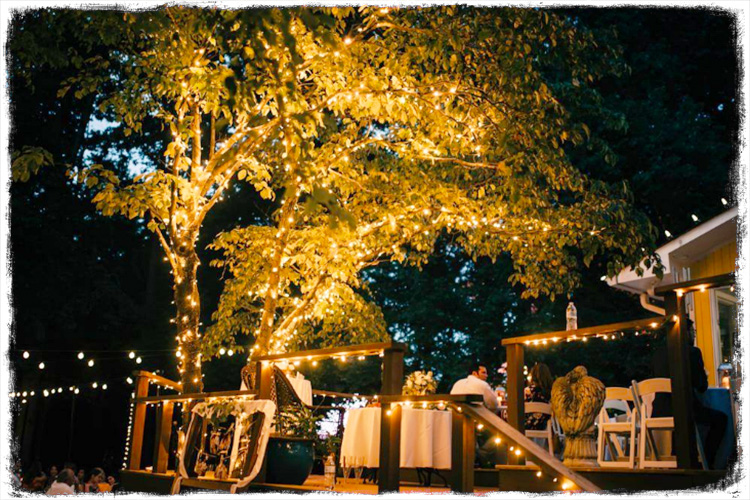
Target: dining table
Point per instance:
(425, 437)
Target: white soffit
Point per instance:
(681, 251)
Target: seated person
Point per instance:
(539, 390)
(476, 383)
(662, 406)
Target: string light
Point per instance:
(80, 355)
(41, 365)
(91, 363)
(26, 354)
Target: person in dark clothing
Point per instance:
(715, 420)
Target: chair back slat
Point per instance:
(653, 386)
(537, 407)
(619, 393)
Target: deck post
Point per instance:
(139, 421)
(462, 453)
(163, 436)
(390, 422)
(516, 415)
(678, 353)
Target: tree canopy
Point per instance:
(369, 132)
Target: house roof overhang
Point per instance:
(680, 252)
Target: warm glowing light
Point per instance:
(497, 440)
(675, 318)
(41, 365)
(539, 474)
(26, 354)
(131, 355)
(654, 324)
(91, 363)
(138, 360)
(80, 355)
(347, 41)
(517, 452)
(480, 427)
(222, 351)
(567, 485)
(388, 413)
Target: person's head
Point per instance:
(96, 475)
(541, 378)
(479, 371)
(111, 480)
(66, 476)
(691, 330)
(53, 470)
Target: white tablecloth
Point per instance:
(303, 388)
(425, 437)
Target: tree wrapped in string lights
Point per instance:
(370, 133)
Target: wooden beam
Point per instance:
(541, 456)
(335, 394)
(697, 285)
(139, 421)
(159, 379)
(462, 453)
(196, 396)
(163, 436)
(390, 449)
(563, 335)
(390, 421)
(330, 352)
(516, 384)
(456, 398)
(679, 344)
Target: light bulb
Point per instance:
(80, 355)
(138, 360)
(26, 354)
(41, 365)
(131, 355)
(91, 363)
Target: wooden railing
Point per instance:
(467, 412)
(164, 410)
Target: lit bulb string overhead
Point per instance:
(67, 388)
(44, 357)
(652, 327)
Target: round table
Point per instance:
(425, 437)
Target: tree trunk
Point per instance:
(187, 302)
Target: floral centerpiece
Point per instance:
(419, 383)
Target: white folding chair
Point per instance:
(617, 398)
(543, 434)
(642, 392)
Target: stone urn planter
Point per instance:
(576, 401)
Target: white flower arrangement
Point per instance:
(419, 383)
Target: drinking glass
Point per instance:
(359, 464)
(346, 467)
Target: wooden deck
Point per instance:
(502, 478)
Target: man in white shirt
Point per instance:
(63, 484)
(476, 383)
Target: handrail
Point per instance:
(196, 396)
(158, 379)
(696, 285)
(445, 398)
(653, 322)
(330, 352)
(546, 461)
(318, 392)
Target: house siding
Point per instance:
(723, 260)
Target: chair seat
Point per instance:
(616, 426)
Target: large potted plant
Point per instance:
(290, 452)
